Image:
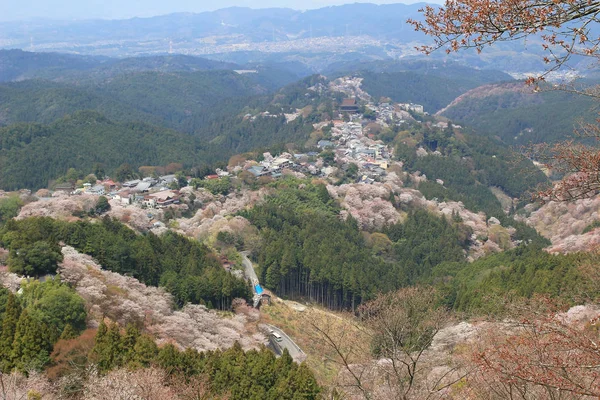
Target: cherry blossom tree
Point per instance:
(565, 29)
(551, 356)
(564, 26)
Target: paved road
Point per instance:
(249, 269)
(287, 343)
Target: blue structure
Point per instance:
(258, 289)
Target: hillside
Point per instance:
(445, 69)
(33, 154)
(18, 65)
(517, 115)
(434, 85)
(210, 105)
(44, 102)
(432, 232)
(186, 101)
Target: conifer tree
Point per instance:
(168, 358)
(100, 349)
(303, 384)
(31, 346)
(68, 333)
(145, 351)
(7, 335)
(129, 340)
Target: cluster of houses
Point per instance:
(416, 108)
(305, 163)
(351, 145)
(148, 192)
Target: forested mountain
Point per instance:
(452, 70)
(45, 102)
(255, 24)
(517, 115)
(434, 85)
(179, 92)
(19, 65)
(309, 252)
(187, 269)
(179, 100)
(33, 154)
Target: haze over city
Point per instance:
(121, 9)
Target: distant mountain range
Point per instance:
(313, 39)
(271, 24)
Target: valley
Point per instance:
(314, 211)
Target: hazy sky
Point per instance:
(13, 10)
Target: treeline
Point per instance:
(207, 114)
(32, 154)
(32, 322)
(308, 251)
(185, 268)
(484, 286)
(520, 118)
(431, 90)
(254, 374)
(469, 167)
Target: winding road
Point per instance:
(248, 268)
(286, 342)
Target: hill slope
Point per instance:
(431, 84)
(514, 113)
(32, 154)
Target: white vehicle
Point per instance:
(277, 336)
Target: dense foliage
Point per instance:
(207, 112)
(426, 87)
(468, 167)
(32, 154)
(308, 250)
(485, 285)
(521, 118)
(423, 241)
(32, 322)
(9, 208)
(254, 374)
(184, 267)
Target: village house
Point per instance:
(131, 184)
(123, 196)
(258, 170)
(109, 185)
(166, 180)
(221, 173)
(164, 198)
(149, 202)
(65, 188)
(323, 144)
(416, 108)
(349, 105)
(96, 190)
(143, 187)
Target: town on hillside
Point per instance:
(348, 145)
